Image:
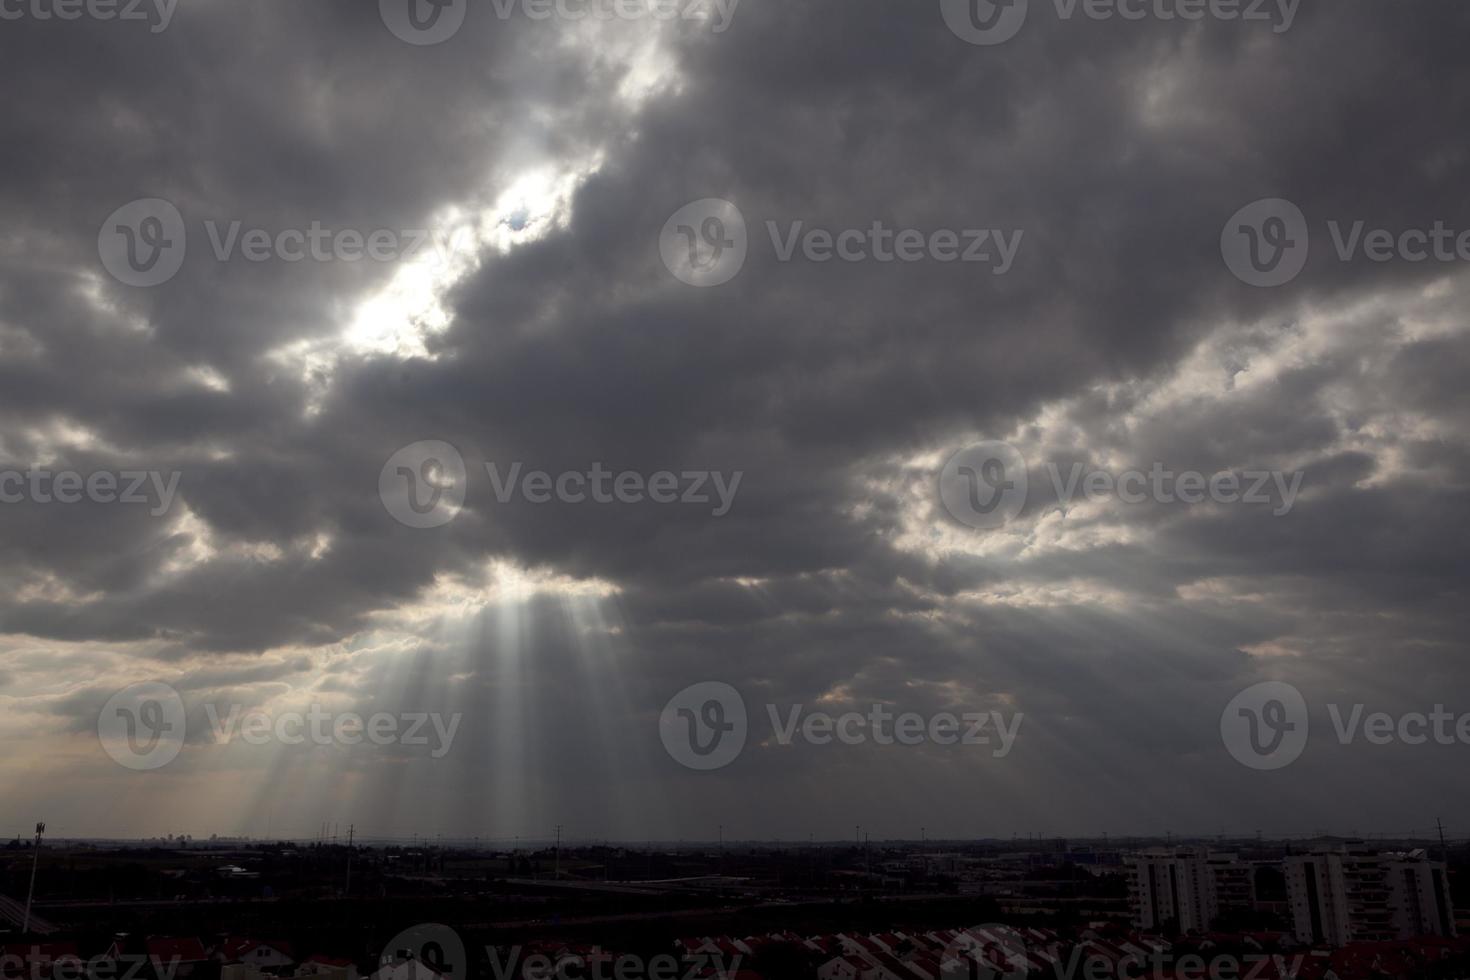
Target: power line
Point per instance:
(31, 892)
(347, 889)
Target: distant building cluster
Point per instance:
(1356, 895)
(1328, 910)
(1336, 895)
(1184, 890)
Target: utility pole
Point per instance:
(557, 872)
(1444, 851)
(30, 893)
(348, 889)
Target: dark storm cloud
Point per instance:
(1119, 149)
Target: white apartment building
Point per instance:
(1187, 887)
(1355, 894)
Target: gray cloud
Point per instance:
(1118, 339)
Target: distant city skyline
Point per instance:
(646, 417)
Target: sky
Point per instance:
(819, 318)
